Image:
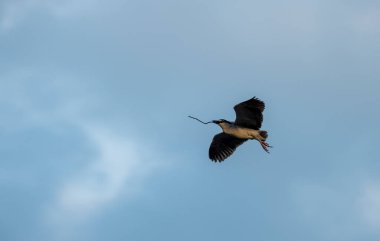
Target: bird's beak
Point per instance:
(215, 122)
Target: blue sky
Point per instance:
(96, 145)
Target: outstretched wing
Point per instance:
(222, 146)
(250, 113)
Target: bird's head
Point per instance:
(220, 121)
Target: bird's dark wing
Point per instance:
(250, 113)
(222, 146)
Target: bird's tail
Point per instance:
(264, 134)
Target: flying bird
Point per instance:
(249, 117)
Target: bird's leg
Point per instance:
(265, 146)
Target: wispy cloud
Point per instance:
(369, 204)
(14, 12)
(367, 21)
(328, 208)
(364, 17)
(116, 169)
(339, 212)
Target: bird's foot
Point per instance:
(265, 146)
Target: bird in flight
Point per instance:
(249, 117)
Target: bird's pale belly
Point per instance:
(243, 133)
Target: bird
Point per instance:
(249, 118)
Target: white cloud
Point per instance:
(115, 172)
(104, 179)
